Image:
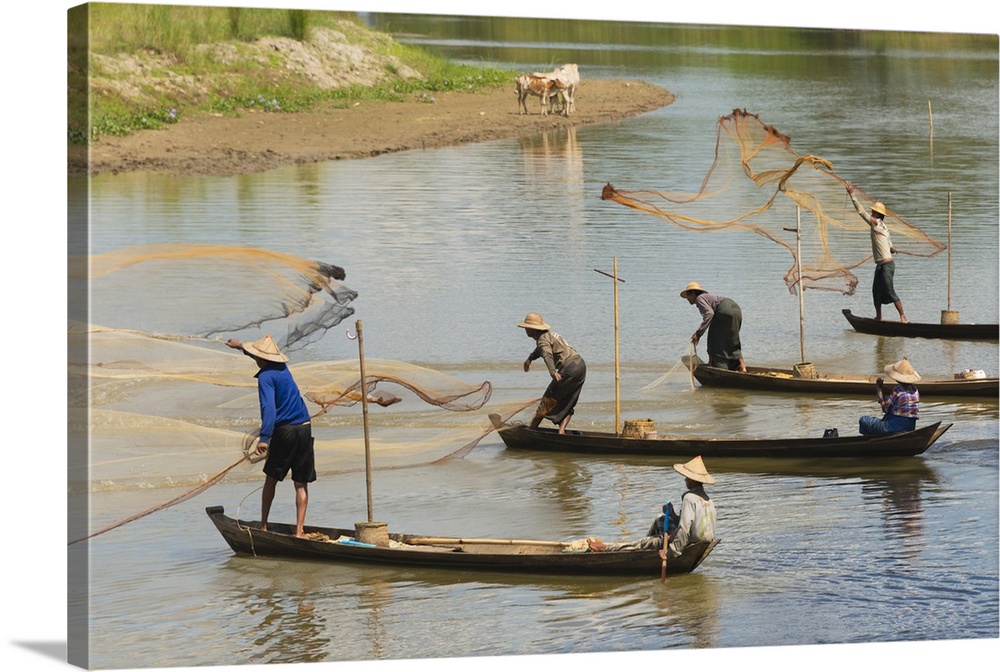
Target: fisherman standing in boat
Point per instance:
(285, 432)
(883, 291)
(566, 367)
(722, 318)
(901, 407)
(671, 532)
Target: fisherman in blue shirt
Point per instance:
(285, 433)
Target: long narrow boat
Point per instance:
(900, 444)
(962, 332)
(327, 544)
(850, 384)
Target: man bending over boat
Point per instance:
(285, 433)
(671, 532)
(901, 407)
(566, 368)
(722, 318)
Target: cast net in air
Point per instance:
(158, 402)
(758, 183)
(208, 291)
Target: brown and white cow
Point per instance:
(566, 79)
(535, 85)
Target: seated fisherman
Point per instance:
(900, 408)
(671, 532)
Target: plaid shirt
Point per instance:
(903, 401)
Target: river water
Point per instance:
(450, 248)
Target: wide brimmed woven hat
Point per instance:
(693, 287)
(902, 372)
(265, 348)
(695, 470)
(534, 321)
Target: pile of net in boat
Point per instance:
(758, 183)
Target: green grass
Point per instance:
(156, 34)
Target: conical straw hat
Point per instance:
(693, 287)
(695, 470)
(265, 348)
(534, 321)
(902, 372)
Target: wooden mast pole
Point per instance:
(618, 403)
(618, 412)
(364, 413)
(801, 288)
(949, 250)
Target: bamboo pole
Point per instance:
(930, 118)
(444, 541)
(618, 403)
(949, 250)
(618, 412)
(801, 287)
(364, 411)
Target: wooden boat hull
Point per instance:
(410, 550)
(900, 444)
(849, 384)
(963, 332)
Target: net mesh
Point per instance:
(758, 183)
(159, 402)
(243, 289)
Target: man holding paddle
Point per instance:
(670, 532)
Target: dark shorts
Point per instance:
(291, 449)
(883, 291)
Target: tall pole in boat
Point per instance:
(949, 316)
(618, 403)
(949, 250)
(802, 287)
(364, 413)
(618, 412)
(798, 275)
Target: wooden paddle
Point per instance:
(663, 564)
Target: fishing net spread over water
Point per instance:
(755, 183)
(157, 400)
(214, 290)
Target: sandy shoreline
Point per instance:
(260, 141)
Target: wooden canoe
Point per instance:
(962, 332)
(766, 379)
(900, 444)
(326, 544)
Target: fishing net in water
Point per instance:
(758, 183)
(158, 402)
(158, 414)
(210, 290)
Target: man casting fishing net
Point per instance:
(285, 431)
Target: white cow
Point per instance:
(566, 79)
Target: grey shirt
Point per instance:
(554, 349)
